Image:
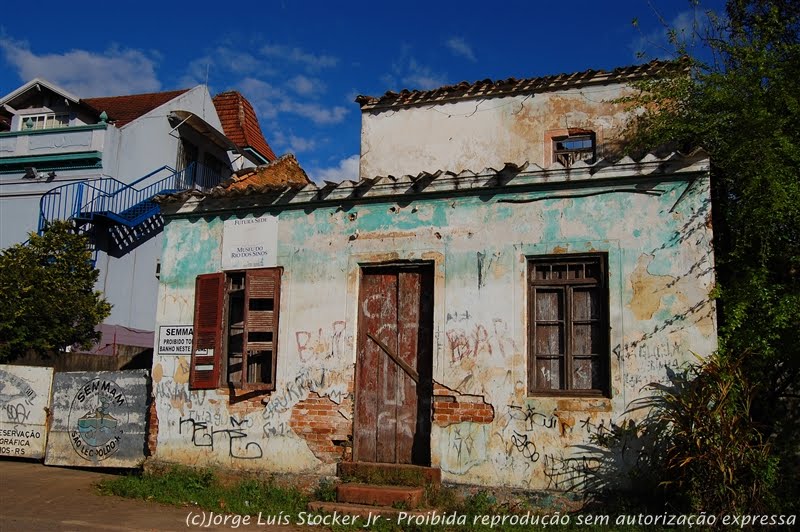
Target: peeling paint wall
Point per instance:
(486, 428)
(486, 133)
(99, 419)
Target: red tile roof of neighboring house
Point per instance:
(124, 109)
(490, 88)
(240, 123)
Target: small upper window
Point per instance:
(43, 121)
(578, 146)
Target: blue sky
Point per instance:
(302, 64)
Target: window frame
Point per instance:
(45, 117)
(600, 286)
(572, 136)
(212, 328)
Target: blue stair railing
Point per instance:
(125, 212)
(128, 204)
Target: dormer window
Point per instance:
(578, 145)
(43, 121)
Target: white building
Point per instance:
(493, 293)
(97, 161)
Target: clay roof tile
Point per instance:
(240, 123)
(278, 174)
(488, 87)
(122, 110)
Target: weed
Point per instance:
(378, 476)
(700, 449)
(325, 490)
(182, 486)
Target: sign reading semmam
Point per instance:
(99, 419)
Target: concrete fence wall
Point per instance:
(76, 418)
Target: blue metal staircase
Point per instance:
(115, 206)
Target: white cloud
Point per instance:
(305, 86)
(297, 55)
(316, 113)
(270, 100)
(409, 73)
(294, 143)
(113, 72)
(300, 144)
(224, 62)
(422, 77)
(264, 96)
(460, 48)
(239, 62)
(345, 169)
(196, 71)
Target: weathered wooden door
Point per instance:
(394, 365)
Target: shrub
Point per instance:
(703, 444)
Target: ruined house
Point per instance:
(495, 288)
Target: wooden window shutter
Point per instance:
(262, 305)
(207, 342)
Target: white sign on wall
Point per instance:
(24, 401)
(250, 243)
(175, 339)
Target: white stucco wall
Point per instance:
(128, 153)
(484, 133)
(660, 273)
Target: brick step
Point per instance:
(406, 497)
(363, 511)
(389, 474)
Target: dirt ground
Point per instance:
(37, 497)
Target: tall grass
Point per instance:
(200, 487)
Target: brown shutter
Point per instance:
(207, 344)
(261, 309)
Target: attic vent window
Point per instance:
(578, 146)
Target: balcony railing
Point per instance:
(125, 203)
(33, 142)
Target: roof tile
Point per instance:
(122, 110)
(275, 183)
(488, 87)
(240, 123)
(278, 174)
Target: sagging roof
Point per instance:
(122, 110)
(282, 173)
(512, 176)
(490, 88)
(240, 123)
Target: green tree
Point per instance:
(742, 105)
(47, 296)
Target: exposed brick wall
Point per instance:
(326, 426)
(450, 407)
(152, 427)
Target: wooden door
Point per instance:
(394, 365)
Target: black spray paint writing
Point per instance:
(204, 436)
